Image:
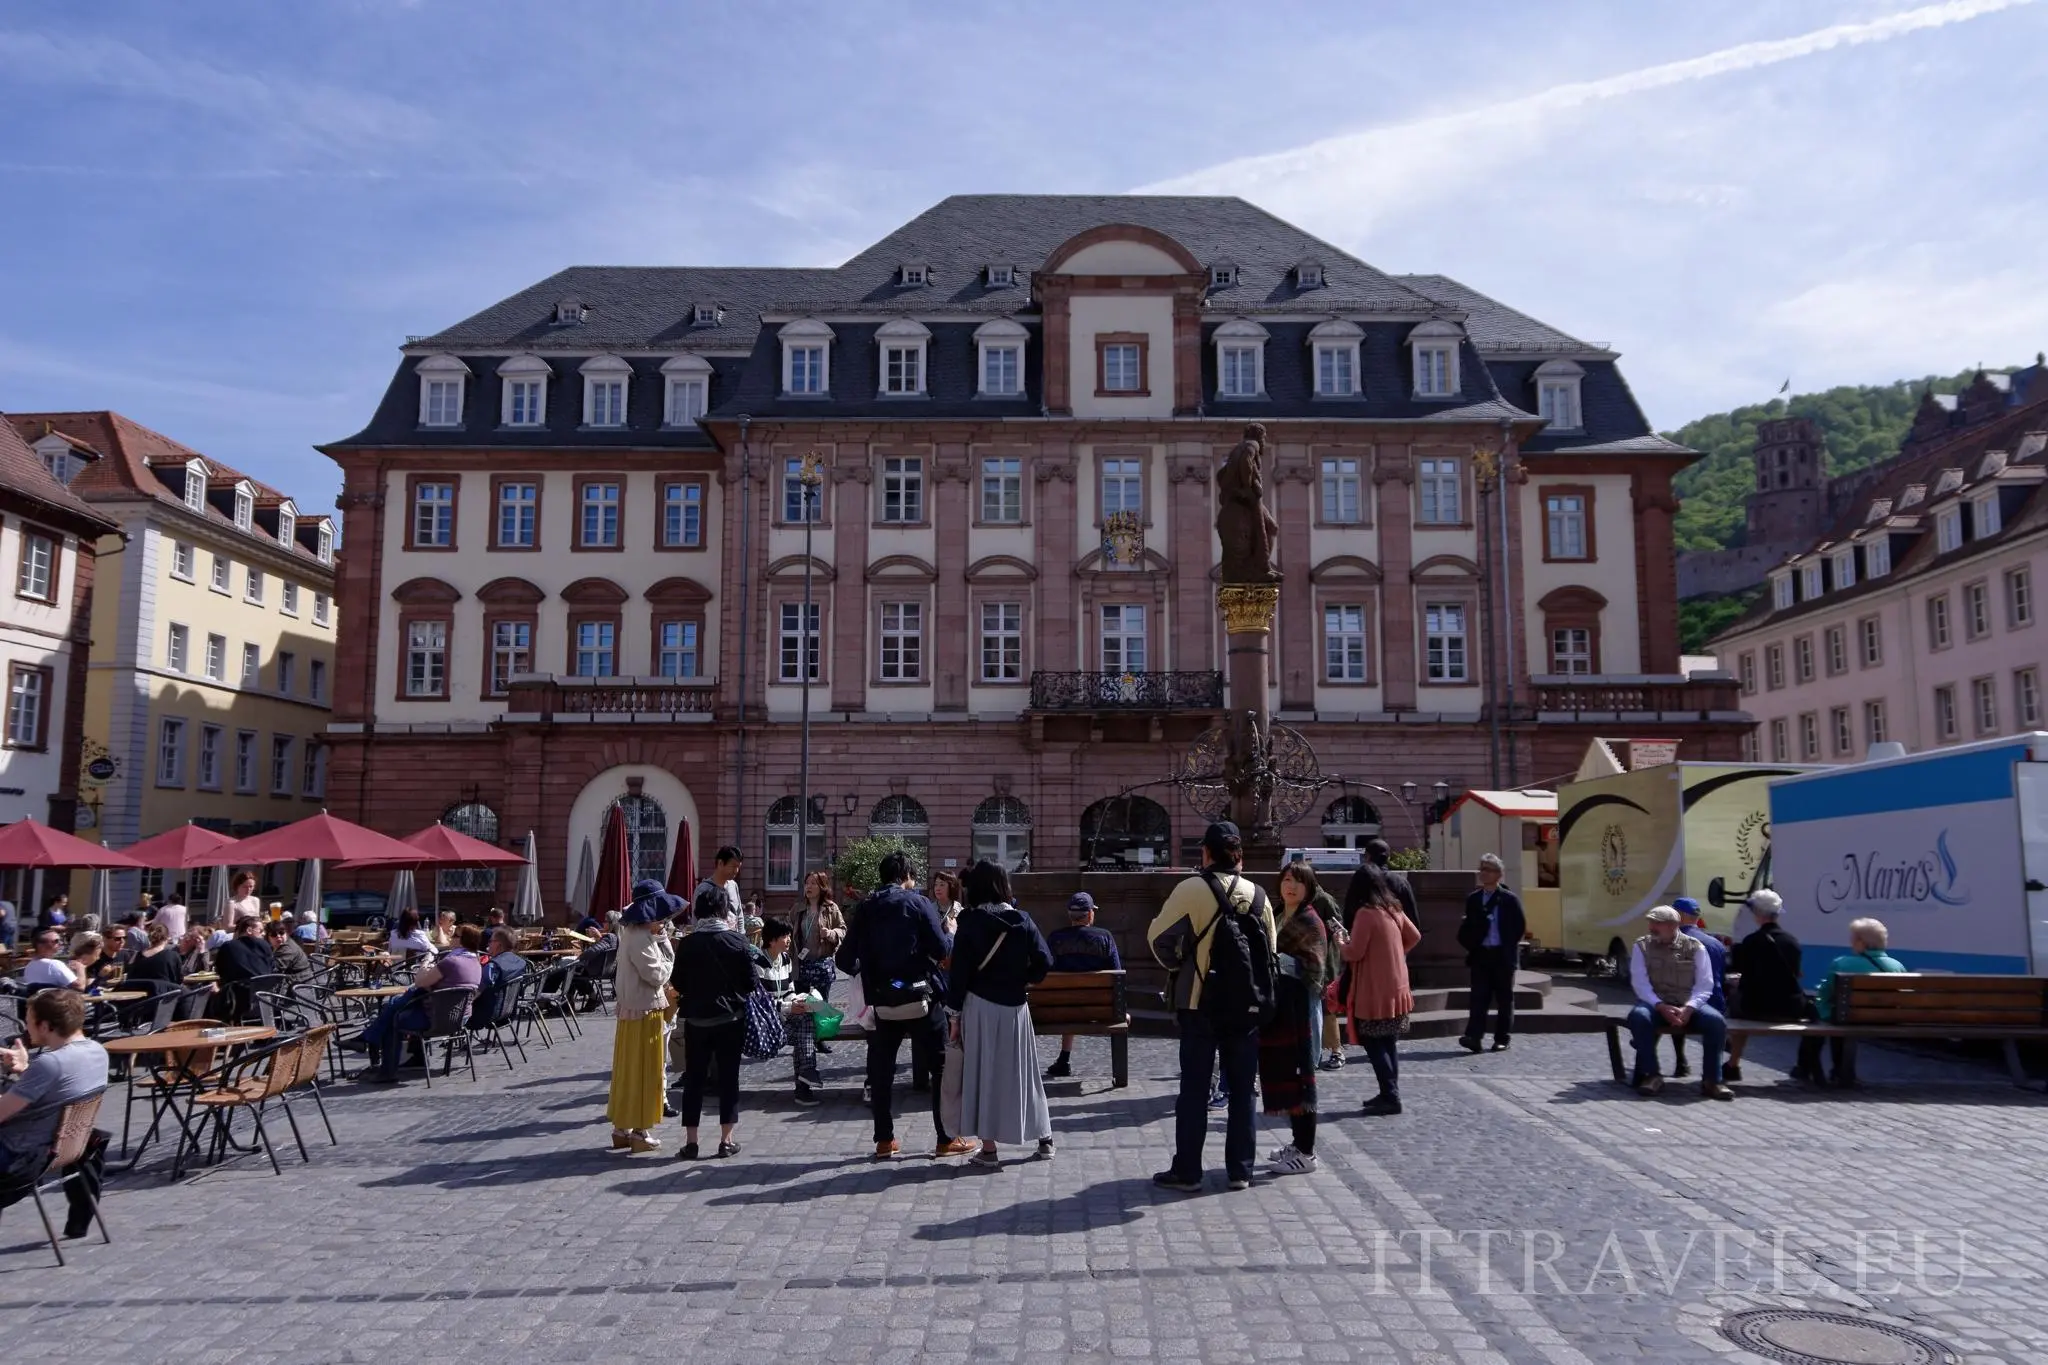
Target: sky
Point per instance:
(222, 218)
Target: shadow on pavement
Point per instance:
(1109, 1204)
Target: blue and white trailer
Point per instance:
(1949, 848)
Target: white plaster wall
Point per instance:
(33, 633)
(1093, 314)
(1120, 258)
(1613, 575)
(586, 817)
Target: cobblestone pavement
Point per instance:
(1523, 1209)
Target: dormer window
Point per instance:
(1913, 496)
(903, 344)
(1557, 394)
(1985, 517)
(1335, 346)
(569, 312)
(1001, 276)
(1877, 557)
(709, 315)
(1222, 276)
(325, 552)
(1240, 359)
(1308, 275)
(913, 276)
(196, 474)
(245, 506)
(442, 380)
(1434, 346)
(806, 358)
(1993, 461)
(1948, 530)
(999, 344)
(605, 378)
(1845, 568)
(1781, 591)
(1949, 482)
(287, 525)
(524, 379)
(687, 381)
(1809, 581)
(1880, 508)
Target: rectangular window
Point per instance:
(1123, 487)
(280, 765)
(1937, 621)
(313, 773)
(807, 369)
(1845, 570)
(1838, 650)
(902, 647)
(287, 671)
(1444, 642)
(1002, 371)
(1002, 489)
(1432, 371)
(1558, 404)
(170, 752)
(1334, 366)
(677, 655)
(902, 489)
(793, 660)
(524, 402)
(518, 516)
(178, 650)
(607, 403)
(682, 515)
(1873, 722)
(1809, 736)
(426, 659)
(685, 402)
(252, 587)
(1781, 750)
(1752, 752)
(217, 657)
(1976, 610)
(183, 561)
(1781, 591)
(511, 653)
(28, 691)
(252, 665)
(1239, 367)
(1871, 633)
(1342, 504)
(220, 573)
(1984, 705)
(316, 679)
(1774, 666)
(209, 757)
(1123, 638)
(321, 603)
(1945, 712)
(1845, 738)
(1120, 368)
(1948, 531)
(1748, 672)
(444, 402)
(1986, 520)
(1344, 643)
(245, 761)
(1571, 650)
(1002, 642)
(2026, 697)
(1810, 581)
(598, 523)
(433, 515)
(1566, 525)
(288, 599)
(597, 649)
(1439, 487)
(2019, 597)
(903, 369)
(1802, 659)
(794, 501)
(36, 575)
(1877, 557)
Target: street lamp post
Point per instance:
(811, 476)
(849, 803)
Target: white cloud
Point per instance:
(1913, 318)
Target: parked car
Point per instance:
(353, 909)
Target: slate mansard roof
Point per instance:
(648, 315)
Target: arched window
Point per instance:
(1002, 833)
(1125, 831)
(1350, 822)
(646, 837)
(904, 818)
(782, 841)
(478, 821)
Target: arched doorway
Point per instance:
(646, 836)
(1350, 822)
(1002, 833)
(657, 807)
(1125, 831)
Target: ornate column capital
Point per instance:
(1248, 608)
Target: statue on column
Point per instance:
(1244, 524)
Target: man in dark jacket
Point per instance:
(896, 943)
(1382, 857)
(1080, 947)
(240, 960)
(1772, 983)
(714, 974)
(1491, 935)
(1693, 924)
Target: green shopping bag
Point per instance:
(828, 1018)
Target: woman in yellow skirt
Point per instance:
(646, 957)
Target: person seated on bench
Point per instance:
(1080, 947)
(1768, 963)
(1674, 983)
(1867, 940)
(1693, 923)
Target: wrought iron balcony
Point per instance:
(612, 698)
(1642, 696)
(1194, 690)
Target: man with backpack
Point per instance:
(1215, 936)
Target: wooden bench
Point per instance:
(2000, 1009)
(1090, 1004)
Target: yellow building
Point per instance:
(212, 666)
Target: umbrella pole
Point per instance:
(36, 897)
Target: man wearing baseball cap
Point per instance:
(1674, 982)
(1692, 922)
(1768, 961)
(1080, 947)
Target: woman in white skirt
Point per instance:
(997, 954)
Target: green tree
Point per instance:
(1702, 618)
(860, 863)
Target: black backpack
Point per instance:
(1237, 988)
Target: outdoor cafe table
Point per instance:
(191, 1052)
(117, 997)
(367, 997)
(203, 978)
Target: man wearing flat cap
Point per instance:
(1674, 985)
(1080, 947)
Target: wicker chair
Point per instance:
(249, 1082)
(74, 1135)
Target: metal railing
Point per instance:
(1193, 690)
(1695, 696)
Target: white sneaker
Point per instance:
(1280, 1154)
(1292, 1162)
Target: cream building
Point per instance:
(214, 625)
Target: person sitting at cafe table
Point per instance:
(407, 938)
(239, 961)
(407, 1013)
(292, 962)
(193, 954)
(310, 929)
(442, 936)
(494, 918)
(67, 1066)
(158, 961)
(46, 968)
(502, 967)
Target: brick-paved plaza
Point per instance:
(481, 1221)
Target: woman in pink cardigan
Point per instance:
(1376, 955)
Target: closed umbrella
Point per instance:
(614, 885)
(309, 890)
(403, 895)
(682, 869)
(103, 896)
(586, 877)
(217, 897)
(527, 907)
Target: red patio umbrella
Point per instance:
(613, 888)
(185, 846)
(322, 836)
(682, 869)
(31, 843)
(440, 846)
